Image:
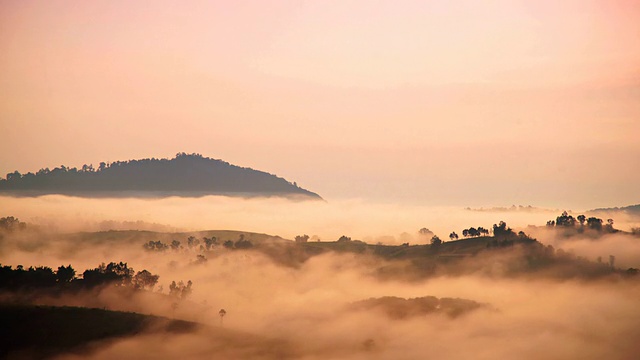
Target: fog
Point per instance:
(303, 312)
(359, 219)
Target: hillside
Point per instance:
(184, 175)
(39, 331)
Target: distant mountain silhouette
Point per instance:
(631, 209)
(184, 175)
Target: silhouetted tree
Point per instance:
(609, 227)
(435, 241)
(180, 290)
(473, 232)
(501, 230)
(581, 219)
(453, 236)
(113, 273)
(344, 238)
(175, 245)
(11, 223)
(145, 280)
(302, 238)
(594, 223)
(200, 259)
(192, 242)
(565, 220)
(155, 246)
(210, 242)
(65, 274)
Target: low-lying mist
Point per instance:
(274, 311)
(372, 222)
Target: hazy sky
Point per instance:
(444, 103)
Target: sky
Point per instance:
(460, 103)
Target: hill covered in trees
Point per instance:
(631, 209)
(184, 175)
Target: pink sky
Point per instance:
(447, 103)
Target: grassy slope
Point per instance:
(38, 331)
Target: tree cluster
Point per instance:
(241, 243)
(116, 274)
(581, 222)
(475, 232)
(11, 223)
(204, 244)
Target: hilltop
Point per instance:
(184, 175)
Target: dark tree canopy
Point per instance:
(11, 223)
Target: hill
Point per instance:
(631, 209)
(40, 331)
(184, 175)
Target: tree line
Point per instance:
(117, 274)
(581, 222)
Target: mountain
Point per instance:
(184, 175)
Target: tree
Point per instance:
(453, 236)
(502, 230)
(425, 232)
(228, 244)
(175, 245)
(435, 241)
(581, 219)
(145, 280)
(344, 238)
(565, 220)
(222, 313)
(118, 274)
(594, 223)
(473, 232)
(11, 223)
(14, 176)
(65, 274)
(155, 246)
(192, 242)
(465, 232)
(180, 290)
(302, 238)
(609, 227)
(210, 242)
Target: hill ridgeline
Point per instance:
(184, 175)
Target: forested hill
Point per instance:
(631, 209)
(184, 175)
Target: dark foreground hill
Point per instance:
(39, 331)
(184, 175)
